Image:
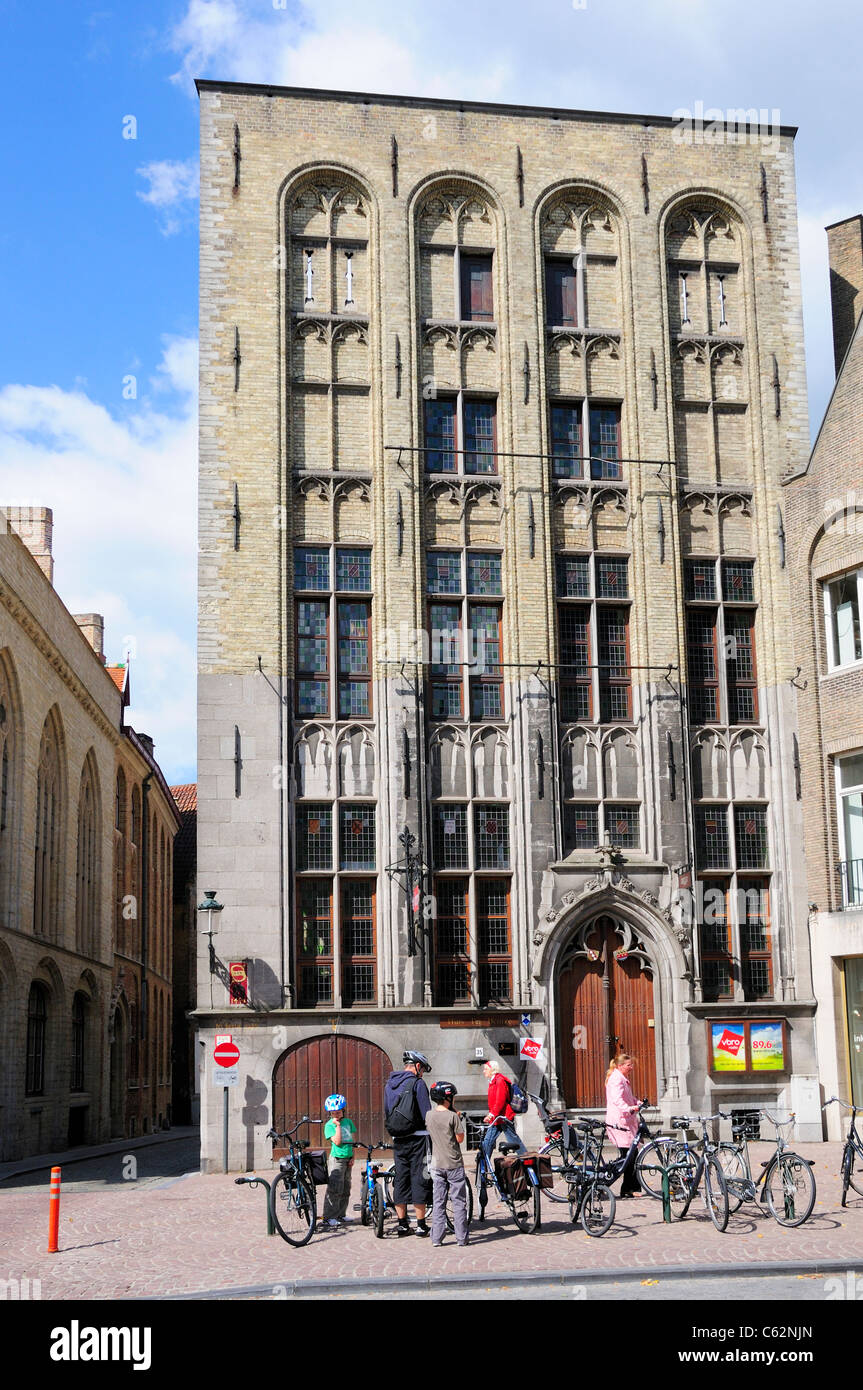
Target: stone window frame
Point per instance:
(851, 881)
(334, 597)
(736, 880)
(831, 636)
(724, 611)
(467, 600)
(596, 602)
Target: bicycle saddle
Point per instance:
(681, 1122)
(508, 1148)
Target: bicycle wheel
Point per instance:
(526, 1210)
(658, 1153)
(734, 1172)
(379, 1209)
(855, 1180)
(573, 1196)
(680, 1191)
(292, 1207)
(598, 1208)
(847, 1165)
(790, 1189)
(481, 1190)
(715, 1192)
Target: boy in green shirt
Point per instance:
(341, 1132)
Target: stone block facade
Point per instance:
(495, 405)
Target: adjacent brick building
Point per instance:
(825, 537)
(495, 403)
(69, 777)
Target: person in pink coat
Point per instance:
(621, 1116)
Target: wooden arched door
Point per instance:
(605, 1005)
(310, 1071)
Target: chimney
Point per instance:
(93, 627)
(35, 527)
(148, 743)
(845, 248)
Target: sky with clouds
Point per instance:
(98, 245)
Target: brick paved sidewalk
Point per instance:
(199, 1233)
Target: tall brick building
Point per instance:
(825, 533)
(495, 403)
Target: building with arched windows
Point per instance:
(85, 933)
(496, 701)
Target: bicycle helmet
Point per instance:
(335, 1102)
(441, 1091)
(411, 1056)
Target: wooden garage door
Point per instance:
(605, 1006)
(310, 1071)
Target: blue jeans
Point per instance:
(505, 1129)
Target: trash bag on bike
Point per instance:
(315, 1162)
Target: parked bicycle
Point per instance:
(786, 1183)
(686, 1165)
(560, 1145)
(591, 1200)
(373, 1196)
(851, 1153)
(521, 1196)
(293, 1203)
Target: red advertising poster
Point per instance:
(727, 1047)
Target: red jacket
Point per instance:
(499, 1093)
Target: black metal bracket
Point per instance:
(235, 517)
(237, 359)
(764, 208)
(645, 186)
(282, 699)
(394, 164)
(777, 388)
(519, 175)
(237, 158)
(398, 368)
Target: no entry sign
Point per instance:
(227, 1054)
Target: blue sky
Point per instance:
(98, 245)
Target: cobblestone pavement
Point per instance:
(196, 1234)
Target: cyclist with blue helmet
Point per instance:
(341, 1132)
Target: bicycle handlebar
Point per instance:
(288, 1133)
(838, 1101)
(779, 1123)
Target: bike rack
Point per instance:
(666, 1190)
(255, 1182)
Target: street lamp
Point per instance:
(209, 905)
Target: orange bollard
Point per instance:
(54, 1212)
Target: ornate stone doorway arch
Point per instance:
(655, 982)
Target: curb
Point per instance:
(42, 1162)
(317, 1288)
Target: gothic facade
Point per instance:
(496, 696)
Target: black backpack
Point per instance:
(403, 1118)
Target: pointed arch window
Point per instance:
(49, 820)
(37, 1022)
(87, 868)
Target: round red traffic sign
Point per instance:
(227, 1054)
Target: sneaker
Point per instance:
(437, 1244)
(403, 1230)
(332, 1224)
(422, 1229)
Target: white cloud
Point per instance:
(123, 493)
(173, 183)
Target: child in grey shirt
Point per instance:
(446, 1129)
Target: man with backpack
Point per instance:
(505, 1099)
(406, 1104)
